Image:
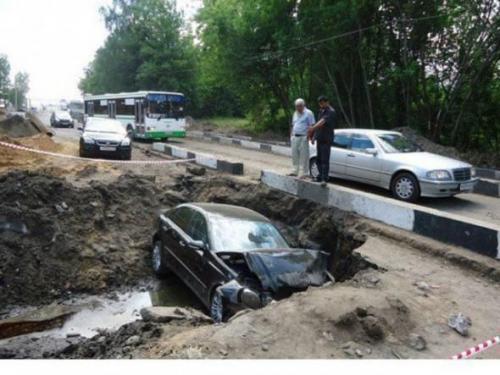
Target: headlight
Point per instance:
(473, 172)
(439, 175)
(126, 142)
(250, 299)
(88, 140)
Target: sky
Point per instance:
(54, 40)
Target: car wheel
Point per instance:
(405, 187)
(217, 308)
(313, 168)
(82, 153)
(159, 266)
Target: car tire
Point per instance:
(405, 187)
(82, 153)
(159, 266)
(313, 168)
(217, 308)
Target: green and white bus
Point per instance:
(145, 114)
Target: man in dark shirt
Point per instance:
(323, 133)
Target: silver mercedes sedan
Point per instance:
(389, 160)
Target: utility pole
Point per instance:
(15, 90)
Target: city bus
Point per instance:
(156, 115)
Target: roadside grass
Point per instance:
(229, 124)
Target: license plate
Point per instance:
(467, 187)
(108, 149)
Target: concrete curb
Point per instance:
(491, 174)
(482, 238)
(205, 160)
(487, 187)
(245, 142)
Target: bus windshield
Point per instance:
(170, 106)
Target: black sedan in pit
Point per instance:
(232, 258)
(105, 138)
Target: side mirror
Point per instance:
(372, 151)
(197, 245)
(80, 128)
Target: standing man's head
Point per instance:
(300, 105)
(323, 102)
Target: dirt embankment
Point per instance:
(57, 239)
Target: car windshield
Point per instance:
(109, 127)
(397, 143)
(171, 106)
(63, 115)
(229, 234)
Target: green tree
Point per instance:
(4, 75)
(146, 49)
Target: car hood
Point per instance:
(427, 160)
(115, 137)
(64, 117)
(287, 268)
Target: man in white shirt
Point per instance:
(302, 120)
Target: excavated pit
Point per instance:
(59, 241)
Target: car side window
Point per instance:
(361, 143)
(198, 230)
(181, 217)
(342, 141)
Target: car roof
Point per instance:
(227, 211)
(367, 131)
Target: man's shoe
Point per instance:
(318, 180)
(323, 184)
(292, 175)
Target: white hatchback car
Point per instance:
(389, 160)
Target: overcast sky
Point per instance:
(54, 40)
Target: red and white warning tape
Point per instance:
(478, 348)
(53, 154)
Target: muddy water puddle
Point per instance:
(86, 316)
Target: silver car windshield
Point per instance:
(244, 235)
(397, 144)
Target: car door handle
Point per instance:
(351, 155)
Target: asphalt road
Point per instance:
(475, 206)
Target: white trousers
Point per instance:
(300, 155)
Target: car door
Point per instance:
(174, 239)
(361, 165)
(197, 259)
(340, 149)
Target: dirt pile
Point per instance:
(57, 239)
(11, 158)
(17, 127)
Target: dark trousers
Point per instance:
(324, 150)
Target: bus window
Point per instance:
(125, 107)
(170, 106)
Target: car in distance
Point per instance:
(232, 258)
(391, 161)
(105, 138)
(61, 119)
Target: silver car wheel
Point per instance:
(157, 256)
(405, 188)
(217, 308)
